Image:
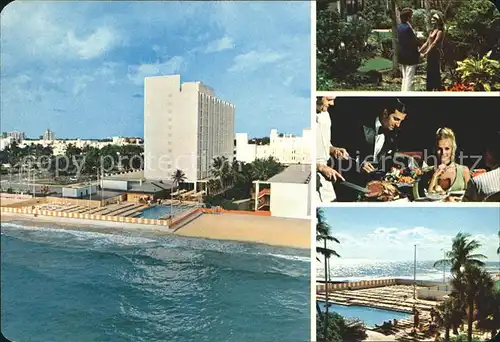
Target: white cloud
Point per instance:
(94, 45)
(254, 60)
(385, 230)
(137, 73)
(224, 43)
(49, 34)
(397, 244)
(80, 84)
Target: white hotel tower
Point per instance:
(185, 127)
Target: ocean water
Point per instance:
(69, 285)
(356, 269)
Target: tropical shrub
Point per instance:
(483, 74)
(323, 81)
(463, 338)
(339, 329)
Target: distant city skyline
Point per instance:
(78, 67)
(250, 137)
(390, 233)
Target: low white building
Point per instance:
(5, 142)
(288, 193)
(285, 148)
(59, 146)
(79, 191)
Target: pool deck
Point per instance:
(394, 298)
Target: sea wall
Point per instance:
(35, 212)
(432, 289)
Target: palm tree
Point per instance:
(450, 313)
(222, 170)
(217, 165)
(489, 313)
(323, 234)
(475, 284)
(498, 249)
(177, 177)
(461, 254)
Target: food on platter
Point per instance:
(382, 190)
(406, 180)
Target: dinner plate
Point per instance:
(435, 196)
(404, 185)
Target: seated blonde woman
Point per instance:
(448, 176)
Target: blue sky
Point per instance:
(78, 67)
(389, 233)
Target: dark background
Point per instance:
(471, 118)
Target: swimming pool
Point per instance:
(159, 211)
(370, 316)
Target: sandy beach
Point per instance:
(248, 228)
(264, 229)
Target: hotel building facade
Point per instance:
(185, 127)
(286, 148)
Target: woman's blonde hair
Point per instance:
(447, 133)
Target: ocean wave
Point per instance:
(291, 257)
(83, 235)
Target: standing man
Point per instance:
(409, 56)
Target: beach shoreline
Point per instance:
(273, 231)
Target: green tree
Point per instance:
(488, 316)
(323, 235)
(375, 13)
(461, 254)
(473, 31)
(473, 284)
(395, 48)
(92, 157)
(177, 178)
(338, 329)
(263, 169)
(451, 313)
(498, 250)
(341, 45)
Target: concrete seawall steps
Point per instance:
(185, 219)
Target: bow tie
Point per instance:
(380, 130)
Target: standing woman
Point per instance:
(433, 49)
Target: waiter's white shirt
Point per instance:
(323, 134)
(379, 140)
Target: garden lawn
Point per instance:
(376, 63)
